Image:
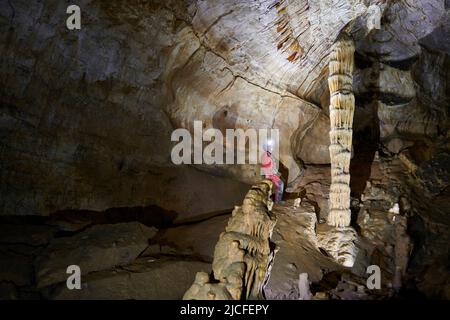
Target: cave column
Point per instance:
(342, 107)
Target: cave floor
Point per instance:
(148, 263)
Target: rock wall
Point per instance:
(81, 120)
(86, 116)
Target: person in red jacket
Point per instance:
(270, 171)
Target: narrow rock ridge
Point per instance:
(244, 254)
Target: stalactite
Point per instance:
(287, 41)
(342, 107)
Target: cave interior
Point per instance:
(357, 92)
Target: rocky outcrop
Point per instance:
(395, 69)
(244, 254)
(404, 23)
(384, 238)
(144, 279)
(339, 243)
(347, 286)
(298, 251)
(97, 248)
(313, 142)
(193, 239)
(434, 174)
(117, 261)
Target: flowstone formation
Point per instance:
(244, 254)
(339, 243)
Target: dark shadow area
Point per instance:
(420, 152)
(69, 222)
(200, 218)
(284, 171)
(294, 195)
(329, 281)
(20, 220)
(150, 216)
(365, 144)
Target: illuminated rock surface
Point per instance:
(86, 118)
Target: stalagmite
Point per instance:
(374, 13)
(342, 107)
(243, 255)
(339, 242)
(303, 287)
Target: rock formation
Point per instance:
(86, 118)
(303, 287)
(340, 244)
(243, 254)
(97, 248)
(383, 224)
(342, 108)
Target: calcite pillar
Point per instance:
(342, 107)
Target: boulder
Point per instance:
(146, 279)
(196, 239)
(97, 248)
(312, 147)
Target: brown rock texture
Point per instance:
(81, 117)
(145, 279)
(97, 248)
(243, 255)
(86, 118)
(87, 115)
